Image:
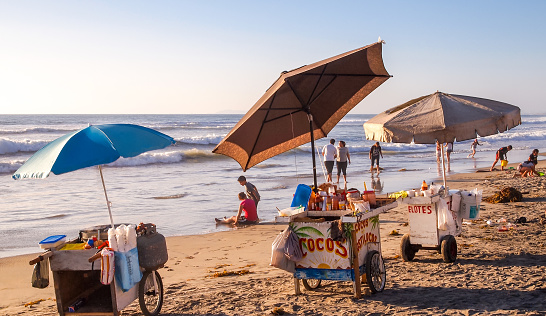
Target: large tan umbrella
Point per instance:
(442, 117)
(304, 104)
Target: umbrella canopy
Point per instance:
(443, 117)
(92, 146)
(304, 104)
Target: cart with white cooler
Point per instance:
(436, 219)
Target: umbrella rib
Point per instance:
(260, 131)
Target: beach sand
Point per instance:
(495, 272)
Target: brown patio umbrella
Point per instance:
(443, 117)
(304, 104)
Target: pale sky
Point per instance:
(170, 57)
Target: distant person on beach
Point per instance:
(527, 168)
(330, 153)
(501, 155)
(438, 151)
(247, 208)
(343, 157)
(375, 152)
(250, 190)
(473, 148)
(449, 150)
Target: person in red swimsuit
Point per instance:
(246, 207)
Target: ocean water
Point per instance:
(182, 188)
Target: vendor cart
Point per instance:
(426, 228)
(78, 289)
(339, 246)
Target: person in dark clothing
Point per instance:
(375, 152)
(501, 155)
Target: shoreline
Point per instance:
(494, 271)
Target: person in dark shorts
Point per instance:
(343, 158)
(375, 152)
(501, 155)
(330, 153)
(250, 190)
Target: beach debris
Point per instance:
(30, 304)
(277, 311)
(229, 273)
(507, 194)
(394, 232)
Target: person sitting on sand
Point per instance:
(527, 168)
(247, 207)
(501, 155)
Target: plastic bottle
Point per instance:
(424, 186)
(335, 203)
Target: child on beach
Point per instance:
(473, 148)
(247, 207)
(250, 190)
(527, 168)
(501, 155)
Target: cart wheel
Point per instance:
(449, 248)
(311, 284)
(406, 249)
(150, 293)
(376, 276)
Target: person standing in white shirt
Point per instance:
(330, 153)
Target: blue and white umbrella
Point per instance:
(92, 146)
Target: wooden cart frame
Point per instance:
(363, 261)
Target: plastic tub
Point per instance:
(52, 241)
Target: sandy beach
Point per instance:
(495, 272)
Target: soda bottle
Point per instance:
(424, 186)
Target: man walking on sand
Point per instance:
(330, 153)
(250, 190)
(501, 155)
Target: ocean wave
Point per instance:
(35, 130)
(14, 146)
(165, 158)
(209, 139)
(10, 167)
(533, 120)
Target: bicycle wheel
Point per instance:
(311, 284)
(150, 293)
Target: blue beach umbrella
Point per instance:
(92, 146)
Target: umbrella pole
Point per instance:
(106, 196)
(313, 151)
(443, 166)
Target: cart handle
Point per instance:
(41, 257)
(95, 257)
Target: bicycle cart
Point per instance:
(79, 291)
(339, 246)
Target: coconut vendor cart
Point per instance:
(435, 220)
(339, 245)
(86, 284)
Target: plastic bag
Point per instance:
(292, 248)
(445, 219)
(127, 269)
(40, 275)
(278, 257)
